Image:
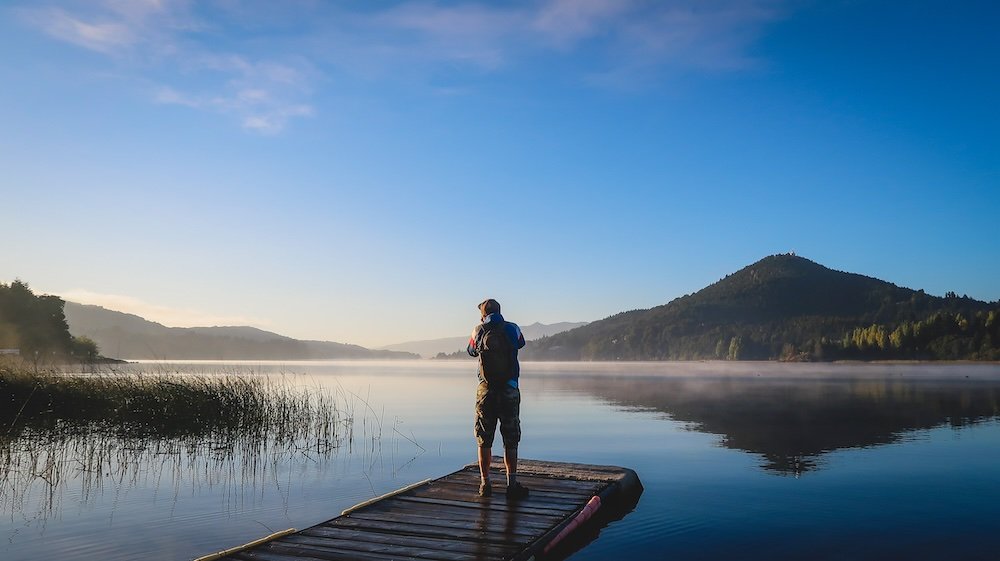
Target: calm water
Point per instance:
(747, 461)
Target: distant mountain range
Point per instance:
(447, 345)
(128, 336)
(782, 307)
(788, 307)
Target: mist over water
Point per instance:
(791, 422)
(747, 460)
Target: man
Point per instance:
(498, 398)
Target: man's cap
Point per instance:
(489, 306)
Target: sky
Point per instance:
(368, 172)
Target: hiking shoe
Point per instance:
(516, 491)
(485, 489)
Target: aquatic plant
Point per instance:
(86, 430)
(163, 404)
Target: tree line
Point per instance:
(941, 336)
(36, 326)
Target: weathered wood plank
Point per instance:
(412, 511)
(389, 533)
(569, 486)
(331, 554)
(506, 524)
(552, 512)
(472, 487)
(468, 491)
(440, 543)
(494, 533)
(534, 500)
(563, 470)
(335, 549)
(258, 555)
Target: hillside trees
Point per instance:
(785, 307)
(36, 326)
(941, 336)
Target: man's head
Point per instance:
(489, 306)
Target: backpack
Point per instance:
(496, 353)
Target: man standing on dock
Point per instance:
(498, 398)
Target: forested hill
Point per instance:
(788, 307)
(128, 336)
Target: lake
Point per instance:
(739, 461)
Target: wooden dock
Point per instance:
(444, 519)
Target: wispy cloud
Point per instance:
(120, 28)
(162, 40)
(261, 65)
(566, 22)
(617, 36)
(257, 110)
(479, 34)
(105, 36)
(263, 95)
(166, 315)
(707, 35)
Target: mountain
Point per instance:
(789, 307)
(538, 330)
(128, 336)
(447, 345)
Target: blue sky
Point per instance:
(368, 172)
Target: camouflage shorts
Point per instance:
(500, 404)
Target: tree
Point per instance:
(720, 349)
(736, 348)
(85, 349)
(34, 324)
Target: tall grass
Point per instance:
(163, 404)
(88, 429)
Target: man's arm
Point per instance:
(471, 347)
(520, 336)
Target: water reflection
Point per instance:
(793, 423)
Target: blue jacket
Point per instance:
(516, 337)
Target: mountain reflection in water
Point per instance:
(792, 423)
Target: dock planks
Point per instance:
(446, 520)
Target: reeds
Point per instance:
(162, 404)
(87, 429)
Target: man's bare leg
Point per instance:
(514, 488)
(485, 457)
(510, 463)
